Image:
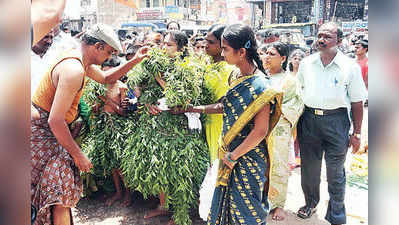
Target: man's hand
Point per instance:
(82, 162)
(354, 142)
(142, 53)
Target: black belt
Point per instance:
(325, 112)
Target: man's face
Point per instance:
(327, 38)
(103, 52)
(43, 45)
(212, 46)
(359, 50)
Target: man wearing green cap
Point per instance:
(56, 159)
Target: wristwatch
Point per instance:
(356, 135)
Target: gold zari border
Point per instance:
(253, 108)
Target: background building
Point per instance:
(301, 11)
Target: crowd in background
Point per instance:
(280, 63)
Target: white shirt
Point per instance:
(334, 86)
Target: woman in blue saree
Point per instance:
(250, 109)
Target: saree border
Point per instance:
(254, 107)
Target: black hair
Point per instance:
(89, 40)
(296, 52)
(123, 78)
(282, 49)
(167, 25)
(364, 43)
(112, 62)
(181, 40)
(212, 26)
(242, 36)
(198, 39)
(217, 31)
(274, 33)
(340, 34)
(132, 49)
(74, 32)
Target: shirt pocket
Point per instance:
(338, 85)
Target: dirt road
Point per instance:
(94, 211)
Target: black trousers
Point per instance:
(329, 135)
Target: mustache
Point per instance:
(322, 44)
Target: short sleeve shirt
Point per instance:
(333, 86)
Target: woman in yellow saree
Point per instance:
(250, 110)
(216, 80)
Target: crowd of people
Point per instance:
(272, 104)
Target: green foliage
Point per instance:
(162, 155)
(105, 143)
(184, 79)
(91, 92)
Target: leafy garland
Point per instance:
(163, 155)
(106, 141)
(157, 154)
(91, 92)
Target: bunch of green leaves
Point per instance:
(184, 79)
(91, 92)
(106, 141)
(184, 82)
(157, 62)
(143, 75)
(163, 156)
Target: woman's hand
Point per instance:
(153, 109)
(180, 110)
(228, 160)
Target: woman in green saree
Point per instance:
(250, 110)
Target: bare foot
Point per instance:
(127, 200)
(278, 214)
(156, 212)
(171, 222)
(113, 199)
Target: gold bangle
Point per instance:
(203, 110)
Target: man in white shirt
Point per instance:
(333, 92)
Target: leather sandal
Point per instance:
(306, 212)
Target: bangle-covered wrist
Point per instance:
(232, 157)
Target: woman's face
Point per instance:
(170, 46)
(272, 60)
(295, 61)
(231, 55)
(212, 45)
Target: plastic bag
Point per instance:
(207, 189)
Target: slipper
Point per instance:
(306, 212)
